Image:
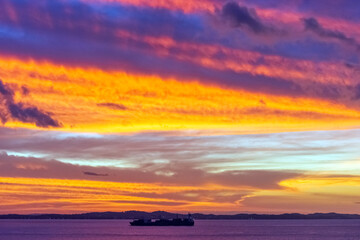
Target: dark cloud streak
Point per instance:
(311, 24)
(96, 174)
(6, 91)
(20, 112)
(239, 16)
(114, 106)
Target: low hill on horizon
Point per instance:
(168, 215)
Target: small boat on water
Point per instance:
(189, 221)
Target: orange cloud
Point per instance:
(74, 97)
(20, 195)
(317, 193)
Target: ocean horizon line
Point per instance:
(133, 214)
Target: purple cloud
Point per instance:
(311, 24)
(114, 106)
(239, 16)
(19, 112)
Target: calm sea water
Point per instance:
(203, 230)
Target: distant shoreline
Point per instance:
(167, 215)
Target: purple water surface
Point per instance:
(203, 230)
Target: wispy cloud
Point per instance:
(311, 24)
(115, 106)
(22, 113)
(96, 174)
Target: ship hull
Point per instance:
(162, 223)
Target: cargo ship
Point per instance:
(189, 221)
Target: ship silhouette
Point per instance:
(189, 221)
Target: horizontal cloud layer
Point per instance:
(122, 102)
(100, 172)
(121, 35)
(178, 174)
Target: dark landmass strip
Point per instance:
(154, 215)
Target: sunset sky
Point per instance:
(206, 106)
